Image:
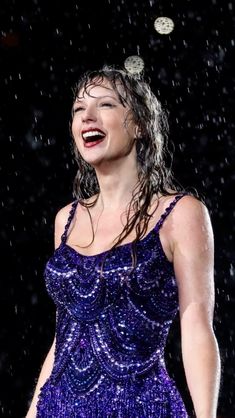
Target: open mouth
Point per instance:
(93, 136)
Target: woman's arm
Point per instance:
(60, 221)
(45, 373)
(193, 258)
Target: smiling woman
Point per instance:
(100, 121)
(130, 251)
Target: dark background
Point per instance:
(44, 47)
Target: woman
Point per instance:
(130, 250)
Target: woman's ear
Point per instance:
(138, 133)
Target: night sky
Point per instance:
(44, 47)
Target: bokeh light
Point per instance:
(134, 64)
(164, 25)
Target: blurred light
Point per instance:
(10, 39)
(164, 25)
(134, 64)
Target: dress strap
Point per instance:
(70, 217)
(168, 210)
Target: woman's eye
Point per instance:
(107, 104)
(78, 109)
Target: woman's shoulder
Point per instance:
(190, 216)
(189, 205)
(185, 200)
(189, 226)
(188, 208)
(63, 214)
(61, 220)
(64, 211)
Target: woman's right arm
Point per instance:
(60, 221)
(44, 375)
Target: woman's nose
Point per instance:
(89, 114)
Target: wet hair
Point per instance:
(154, 174)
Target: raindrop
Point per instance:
(231, 270)
(34, 299)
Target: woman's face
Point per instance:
(102, 127)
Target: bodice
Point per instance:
(112, 321)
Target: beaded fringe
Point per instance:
(107, 402)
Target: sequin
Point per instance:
(111, 331)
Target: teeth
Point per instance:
(89, 134)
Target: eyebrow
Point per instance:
(82, 99)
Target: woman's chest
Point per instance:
(86, 292)
(142, 271)
(99, 234)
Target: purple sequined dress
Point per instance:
(111, 330)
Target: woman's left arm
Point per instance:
(193, 258)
